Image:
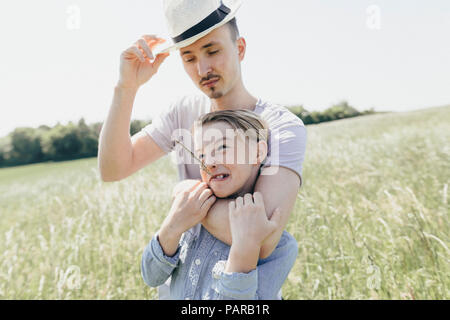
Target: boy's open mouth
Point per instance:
(219, 177)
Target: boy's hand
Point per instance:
(184, 185)
(249, 227)
(248, 220)
(189, 208)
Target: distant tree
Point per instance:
(370, 111)
(63, 142)
(315, 117)
(88, 138)
(136, 126)
(297, 110)
(302, 113)
(25, 146)
(44, 127)
(5, 150)
(2, 153)
(96, 128)
(341, 110)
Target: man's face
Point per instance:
(213, 62)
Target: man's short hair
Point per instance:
(234, 31)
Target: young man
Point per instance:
(211, 51)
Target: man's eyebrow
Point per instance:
(209, 44)
(212, 43)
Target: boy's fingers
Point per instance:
(239, 202)
(199, 188)
(248, 199)
(231, 206)
(208, 203)
(205, 195)
(193, 186)
(258, 198)
(190, 185)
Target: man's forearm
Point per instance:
(115, 148)
(280, 191)
(217, 221)
(218, 224)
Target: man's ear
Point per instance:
(241, 46)
(262, 151)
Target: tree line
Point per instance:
(58, 143)
(79, 140)
(338, 111)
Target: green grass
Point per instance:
(371, 219)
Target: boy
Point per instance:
(201, 266)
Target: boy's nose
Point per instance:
(210, 162)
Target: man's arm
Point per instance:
(119, 155)
(278, 190)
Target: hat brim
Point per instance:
(234, 6)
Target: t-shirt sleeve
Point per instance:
(287, 149)
(162, 128)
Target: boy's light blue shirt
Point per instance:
(197, 269)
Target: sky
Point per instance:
(59, 59)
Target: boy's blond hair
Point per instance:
(243, 119)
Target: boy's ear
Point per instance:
(262, 151)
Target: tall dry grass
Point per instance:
(371, 220)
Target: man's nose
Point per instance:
(203, 68)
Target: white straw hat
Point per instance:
(190, 20)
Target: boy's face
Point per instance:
(213, 62)
(232, 160)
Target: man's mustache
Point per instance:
(208, 78)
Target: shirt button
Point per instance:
(197, 262)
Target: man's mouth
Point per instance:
(210, 83)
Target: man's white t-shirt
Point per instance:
(287, 134)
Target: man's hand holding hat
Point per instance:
(138, 64)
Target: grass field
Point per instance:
(371, 220)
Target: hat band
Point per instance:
(211, 20)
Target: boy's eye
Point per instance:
(189, 60)
(213, 52)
